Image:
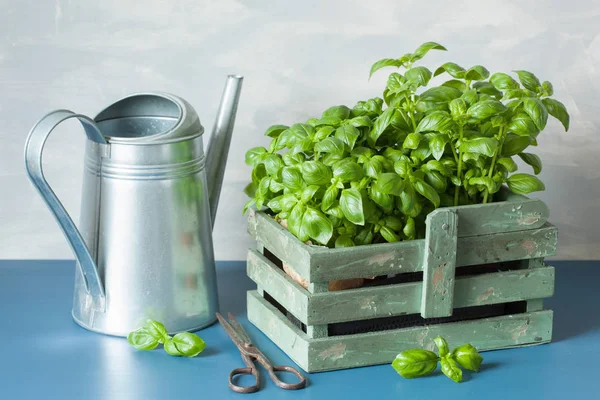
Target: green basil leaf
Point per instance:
(415, 363)
(533, 160)
(537, 111)
(317, 225)
(360, 121)
(347, 171)
(485, 109)
(352, 206)
(468, 357)
(273, 163)
(188, 344)
(141, 339)
(386, 62)
(502, 81)
(275, 130)
(529, 80)
(487, 88)
(390, 183)
(324, 132)
(328, 121)
(302, 131)
(524, 184)
(458, 107)
(470, 97)
(451, 369)
(396, 83)
(389, 235)
(437, 144)
(312, 121)
(437, 181)
(308, 193)
(409, 228)
(291, 178)
(370, 108)
(424, 49)
(477, 73)
(373, 167)
(347, 134)
(439, 121)
(548, 88)
(381, 124)
(558, 111)
(480, 145)
(456, 84)
(427, 191)
(341, 112)
(440, 94)
(330, 145)
(514, 144)
(171, 349)
(411, 141)
(295, 222)
(522, 125)
(508, 163)
(329, 197)
(255, 155)
(434, 165)
(316, 173)
(275, 204)
(483, 181)
(455, 70)
(385, 201)
(442, 346)
(157, 330)
(419, 75)
(402, 167)
(344, 241)
(335, 212)
(290, 158)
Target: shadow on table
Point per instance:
(576, 298)
(233, 285)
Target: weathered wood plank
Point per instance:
(278, 328)
(382, 347)
(405, 298)
(278, 284)
(339, 352)
(437, 298)
(382, 259)
(279, 241)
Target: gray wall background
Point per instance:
(297, 58)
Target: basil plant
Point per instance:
(371, 173)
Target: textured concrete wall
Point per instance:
(298, 58)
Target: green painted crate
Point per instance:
(478, 277)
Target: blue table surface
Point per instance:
(45, 355)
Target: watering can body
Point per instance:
(144, 243)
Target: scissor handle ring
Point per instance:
(244, 389)
(284, 385)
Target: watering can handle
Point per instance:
(33, 165)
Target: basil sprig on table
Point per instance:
(153, 333)
(418, 362)
(371, 173)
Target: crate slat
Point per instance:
(350, 351)
(397, 299)
(401, 257)
(437, 298)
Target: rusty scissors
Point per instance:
(250, 353)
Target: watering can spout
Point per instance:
(218, 146)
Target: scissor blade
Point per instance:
(235, 338)
(239, 329)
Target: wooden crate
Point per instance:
(478, 277)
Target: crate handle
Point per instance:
(437, 299)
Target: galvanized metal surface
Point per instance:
(145, 241)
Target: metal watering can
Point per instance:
(144, 245)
